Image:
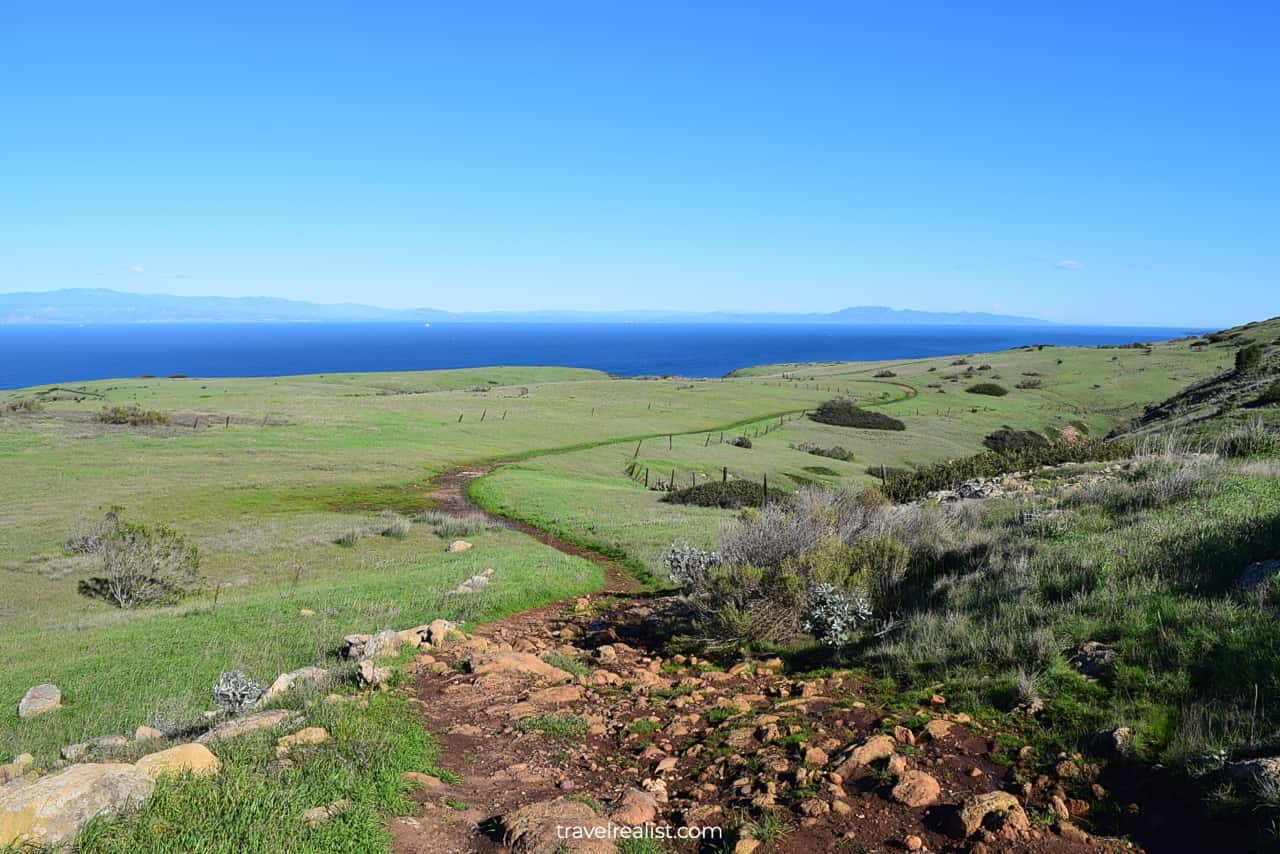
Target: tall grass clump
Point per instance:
(132, 415)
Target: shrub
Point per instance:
(740, 442)
(884, 374)
(688, 564)
(133, 415)
(730, 495)
(746, 606)
(87, 537)
(1030, 383)
(394, 525)
(1009, 441)
(989, 389)
(23, 404)
(350, 536)
(1250, 439)
(835, 452)
(144, 565)
(843, 412)
(453, 525)
(871, 496)
(831, 614)
(1248, 357)
(1270, 395)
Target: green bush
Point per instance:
(843, 412)
(144, 565)
(1009, 441)
(1248, 357)
(133, 415)
(1270, 395)
(835, 452)
(727, 494)
(989, 389)
(746, 606)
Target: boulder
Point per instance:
(52, 810)
(40, 700)
(252, 723)
(516, 662)
(320, 815)
(15, 769)
(474, 584)
(195, 759)
(973, 813)
(384, 644)
(1092, 660)
(147, 733)
(370, 675)
(634, 808)
(876, 747)
(353, 645)
(916, 789)
(559, 826)
(441, 633)
(556, 696)
(1256, 775)
(286, 682)
(302, 738)
(418, 780)
(103, 746)
(459, 546)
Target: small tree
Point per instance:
(1248, 357)
(144, 565)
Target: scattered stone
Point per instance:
(938, 729)
(556, 696)
(51, 811)
(384, 644)
(253, 723)
(916, 789)
(815, 756)
(306, 612)
(913, 843)
(319, 815)
(421, 781)
(635, 808)
(302, 738)
(286, 682)
(516, 662)
(100, 746)
(15, 769)
(974, 811)
(903, 735)
(1256, 775)
(876, 747)
(459, 546)
(1113, 742)
(40, 700)
(370, 675)
(474, 584)
(147, 733)
(1093, 659)
(193, 758)
(353, 646)
(542, 828)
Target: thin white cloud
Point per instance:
(1069, 264)
(135, 268)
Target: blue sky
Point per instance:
(1077, 161)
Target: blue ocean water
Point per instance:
(39, 354)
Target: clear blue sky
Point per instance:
(1078, 161)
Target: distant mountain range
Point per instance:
(88, 305)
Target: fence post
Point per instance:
(724, 475)
(764, 496)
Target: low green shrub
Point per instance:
(730, 495)
(1009, 441)
(1248, 357)
(989, 389)
(835, 452)
(843, 412)
(1270, 395)
(143, 565)
(133, 415)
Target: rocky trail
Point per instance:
(574, 715)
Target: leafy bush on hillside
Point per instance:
(740, 442)
(989, 389)
(908, 486)
(1248, 357)
(1270, 395)
(884, 374)
(686, 564)
(1009, 441)
(143, 565)
(843, 412)
(133, 415)
(835, 452)
(730, 495)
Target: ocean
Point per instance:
(45, 354)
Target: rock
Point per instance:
(815, 756)
(253, 723)
(1092, 660)
(302, 738)
(353, 645)
(421, 781)
(319, 815)
(370, 675)
(1112, 742)
(147, 733)
(52, 810)
(974, 811)
(556, 696)
(746, 846)
(15, 769)
(913, 843)
(938, 729)
(101, 746)
(903, 735)
(516, 662)
(897, 765)
(1072, 833)
(634, 808)
(558, 826)
(459, 546)
(286, 682)
(474, 584)
(1256, 775)
(306, 612)
(195, 759)
(384, 644)
(40, 700)
(876, 747)
(916, 789)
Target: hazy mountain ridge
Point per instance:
(88, 305)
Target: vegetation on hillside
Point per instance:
(843, 412)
